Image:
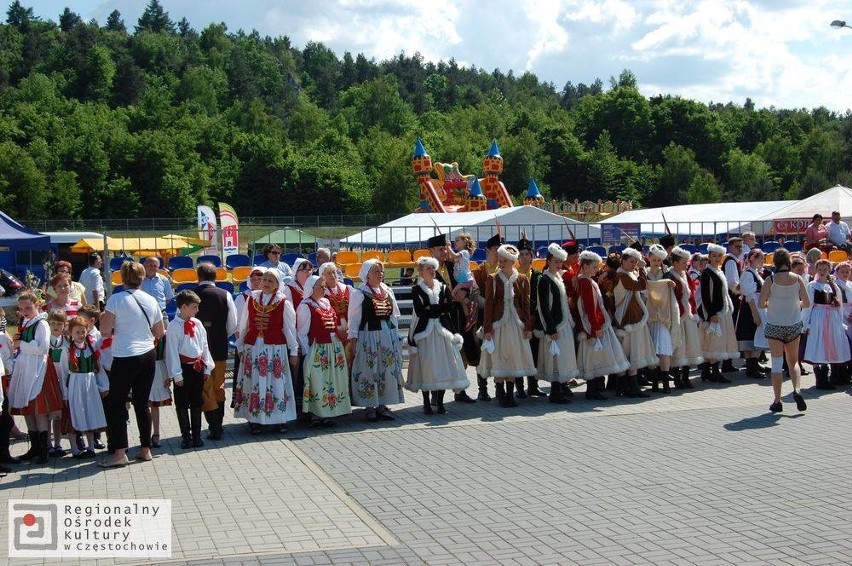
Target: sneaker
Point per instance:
(800, 401)
(776, 407)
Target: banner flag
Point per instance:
(230, 229)
(207, 229)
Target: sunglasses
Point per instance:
(274, 253)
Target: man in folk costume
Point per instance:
(732, 267)
(668, 242)
(557, 359)
(631, 319)
(507, 327)
(485, 270)
(470, 348)
(719, 338)
(526, 251)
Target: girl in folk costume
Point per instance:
(434, 347)
(267, 338)
(374, 344)
(823, 323)
(663, 316)
(337, 294)
(326, 393)
(31, 393)
(599, 351)
(631, 319)
(161, 395)
(842, 272)
(254, 281)
(60, 420)
(718, 341)
(688, 352)
(507, 326)
(751, 320)
(557, 359)
(83, 386)
(294, 290)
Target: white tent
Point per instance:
(414, 229)
(837, 198)
(700, 220)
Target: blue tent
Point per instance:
(14, 237)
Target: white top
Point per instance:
(731, 272)
(838, 233)
(748, 284)
(92, 280)
(783, 306)
(461, 268)
(356, 303)
(179, 343)
(240, 306)
(132, 334)
(7, 354)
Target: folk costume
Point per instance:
(827, 342)
(295, 293)
(557, 359)
(373, 324)
(188, 360)
(751, 336)
(506, 317)
(663, 318)
(688, 352)
(534, 276)
(161, 396)
(326, 389)
(264, 394)
(434, 347)
(481, 275)
(631, 323)
(718, 340)
(240, 303)
(82, 383)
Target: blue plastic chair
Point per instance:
(617, 248)
(258, 259)
(541, 252)
(703, 248)
(479, 255)
(226, 285)
(347, 281)
(116, 262)
(769, 247)
(291, 258)
(214, 259)
(312, 257)
(180, 261)
(171, 309)
(600, 250)
(118, 289)
(237, 260)
(244, 286)
(792, 246)
(688, 247)
(186, 287)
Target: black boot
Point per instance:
(482, 382)
(532, 387)
(633, 389)
(519, 388)
(655, 380)
(642, 377)
(33, 450)
(836, 376)
(728, 366)
(212, 426)
(716, 375)
(500, 393)
(195, 425)
(821, 375)
(557, 394)
(621, 384)
(664, 378)
(43, 447)
(612, 382)
(183, 423)
(439, 395)
(220, 421)
(684, 377)
(510, 395)
(6, 457)
(593, 389)
(751, 369)
(706, 373)
(427, 406)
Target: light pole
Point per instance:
(837, 24)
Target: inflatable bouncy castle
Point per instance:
(443, 188)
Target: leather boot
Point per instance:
(836, 376)
(751, 368)
(519, 388)
(633, 389)
(195, 425)
(706, 373)
(482, 382)
(621, 384)
(655, 380)
(612, 382)
(532, 387)
(664, 378)
(427, 406)
(728, 366)
(594, 388)
(499, 391)
(33, 450)
(684, 377)
(557, 396)
(716, 375)
(43, 447)
(6, 457)
(183, 423)
(642, 377)
(220, 420)
(439, 394)
(510, 395)
(210, 417)
(821, 375)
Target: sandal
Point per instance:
(155, 441)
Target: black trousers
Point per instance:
(188, 395)
(136, 374)
(6, 424)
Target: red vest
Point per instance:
(323, 325)
(297, 295)
(266, 322)
(339, 302)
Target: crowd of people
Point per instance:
(309, 347)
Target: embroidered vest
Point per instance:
(374, 311)
(323, 325)
(160, 348)
(340, 302)
(266, 322)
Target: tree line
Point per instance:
(105, 121)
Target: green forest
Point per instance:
(150, 118)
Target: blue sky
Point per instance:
(779, 53)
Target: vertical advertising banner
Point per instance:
(207, 229)
(230, 229)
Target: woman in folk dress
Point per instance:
(338, 294)
(434, 346)
(326, 392)
(750, 322)
(719, 340)
(664, 317)
(688, 352)
(631, 319)
(823, 323)
(264, 395)
(374, 344)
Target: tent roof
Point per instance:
(137, 246)
(414, 229)
(16, 237)
(837, 198)
(288, 236)
(699, 219)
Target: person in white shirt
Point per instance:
(189, 365)
(838, 233)
(92, 280)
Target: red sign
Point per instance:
(791, 225)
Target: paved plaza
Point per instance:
(705, 477)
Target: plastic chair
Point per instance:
(479, 254)
(312, 257)
(769, 247)
(171, 309)
(689, 248)
(165, 273)
(291, 258)
(703, 248)
(240, 273)
(237, 260)
(541, 251)
(186, 287)
(346, 257)
(118, 289)
(399, 258)
(836, 256)
(822, 255)
(352, 270)
(540, 264)
(184, 275)
(793, 246)
(221, 274)
(473, 265)
(214, 259)
(347, 281)
(372, 254)
(244, 286)
(180, 261)
(420, 253)
(226, 285)
(115, 278)
(258, 259)
(116, 262)
(768, 259)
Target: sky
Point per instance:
(780, 53)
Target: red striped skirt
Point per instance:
(49, 400)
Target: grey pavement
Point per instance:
(705, 476)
